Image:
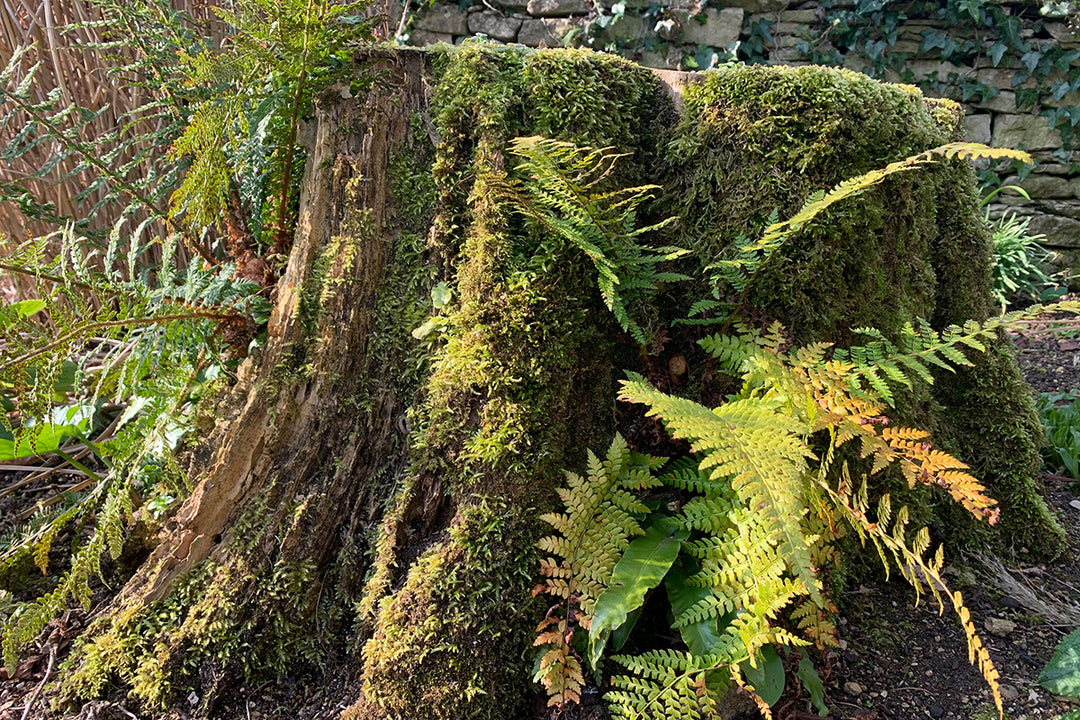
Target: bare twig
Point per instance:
(48, 672)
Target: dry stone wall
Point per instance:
(1006, 106)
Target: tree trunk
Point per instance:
(372, 497)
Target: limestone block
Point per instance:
(1066, 100)
(1040, 186)
(1053, 168)
(495, 25)
(423, 38)
(667, 60)
(1029, 131)
(513, 5)
(440, 18)
(794, 16)
(1065, 208)
(790, 29)
(638, 4)
(1060, 231)
(925, 68)
(1000, 78)
(628, 27)
(909, 47)
(1004, 102)
(720, 29)
(786, 56)
(759, 6)
(549, 31)
(556, 8)
(977, 128)
(1062, 32)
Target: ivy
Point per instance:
(1043, 72)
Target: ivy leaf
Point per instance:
(996, 52)
(1061, 675)
(1031, 60)
(642, 567)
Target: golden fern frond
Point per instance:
(560, 671)
(762, 451)
(910, 560)
(602, 514)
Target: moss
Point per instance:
(517, 386)
(755, 139)
(988, 419)
(443, 640)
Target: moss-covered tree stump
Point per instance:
(372, 497)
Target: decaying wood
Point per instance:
(287, 439)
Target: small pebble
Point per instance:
(999, 626)
(1008, 692)
(929, 673)
(936, 711)
(1074, 504)
(853, 688)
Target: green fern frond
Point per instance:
(761, 450)
(664, 684)
(564, 192)
(749, 258)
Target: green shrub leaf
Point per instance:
(1061, 675)
(645, 563)
(768, 677)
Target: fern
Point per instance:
(756, 549)
(241, 141)
(148, 344)
(566, 192)
(749, 259)
(123, 174)
(602, 514)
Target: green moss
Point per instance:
(520, 384)
(755, 139)
(988, 419)
(443, 641)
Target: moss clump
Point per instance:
(521, 384)
(255, 622)
(987, 417)
(754, 140)
(757, 139)
(449, 642)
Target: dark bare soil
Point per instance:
(903, 661)
(899, 660)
